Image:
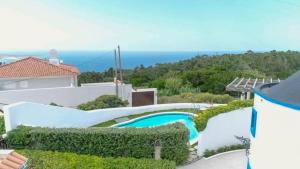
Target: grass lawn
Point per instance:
(112, 122)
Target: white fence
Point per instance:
(34, 114)
(220, 130)
(66, 96)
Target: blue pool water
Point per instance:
(162, 119)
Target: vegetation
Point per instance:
(106, 142)
(196, 98)
(207, 73)
(2, 126)
(112, 122)
(203, 117)
(209, 153)
(58, 160)
(105, 101)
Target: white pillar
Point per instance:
(243, 96)
(248, 95)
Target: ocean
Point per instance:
(102, 60)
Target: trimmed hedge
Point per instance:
(104, 101)
(209, 153)
(58, 160)
(106, 142)
(203, 116)
(2, 126)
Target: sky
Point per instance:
(154, 25)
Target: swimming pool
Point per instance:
(159, 119)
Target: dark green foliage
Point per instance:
(58, 160)
(106, 142)
(209, 153)
(2, 125)
(195, 98)
(203, 116)
(209, 73)
(105, 101)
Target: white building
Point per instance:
(33, 73)
(275, 126)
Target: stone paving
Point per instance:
(233, 160)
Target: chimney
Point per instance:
(53, 57)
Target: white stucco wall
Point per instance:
(37, 82)
(221, 129)
(66, 96)
(34, 114)
(277, 141)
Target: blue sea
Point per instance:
(102, 60)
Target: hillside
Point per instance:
(207, 73)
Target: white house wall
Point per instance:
(277, 141)
(66, 96)
(34, 114)
(221, 129)
(33, 83)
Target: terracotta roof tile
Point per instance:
(34, 67)
(13, 161)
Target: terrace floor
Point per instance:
(234, 160)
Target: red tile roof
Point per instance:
(34, 67)
(12, 160)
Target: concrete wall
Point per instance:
(220, 130)
(277, 141)
(34, 114)
(66, 96)
(39, 82)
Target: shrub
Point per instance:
(105, 101)
(194, 97)
(2, 125)
(106, 142)
(209, 153)
(204, 116)
(58, 160)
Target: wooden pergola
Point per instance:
(246, 85)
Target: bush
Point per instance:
(105, 101)
(106, 142)
(194, 97)
(49, 160)
(203, 117)
(209, 153)
(2, 125)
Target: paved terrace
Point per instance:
(234, 160)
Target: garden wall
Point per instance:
(221, 129)
(34, 114)
(66, 96)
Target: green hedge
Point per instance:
(105, 101)
(2, 126)
(58, 160)
(106, 142)
(209, 153)
(203, 116)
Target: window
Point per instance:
(253, 122)
(248, 165)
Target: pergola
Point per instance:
(246, 85)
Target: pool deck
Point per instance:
(232, 160)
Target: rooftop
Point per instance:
(287, 91)
(35, 67)
(11, 160)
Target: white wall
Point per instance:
(34, 114)
(221, 129)
(277, 141)
(38, 82)
(66, 96)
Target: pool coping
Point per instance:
(193, 141)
